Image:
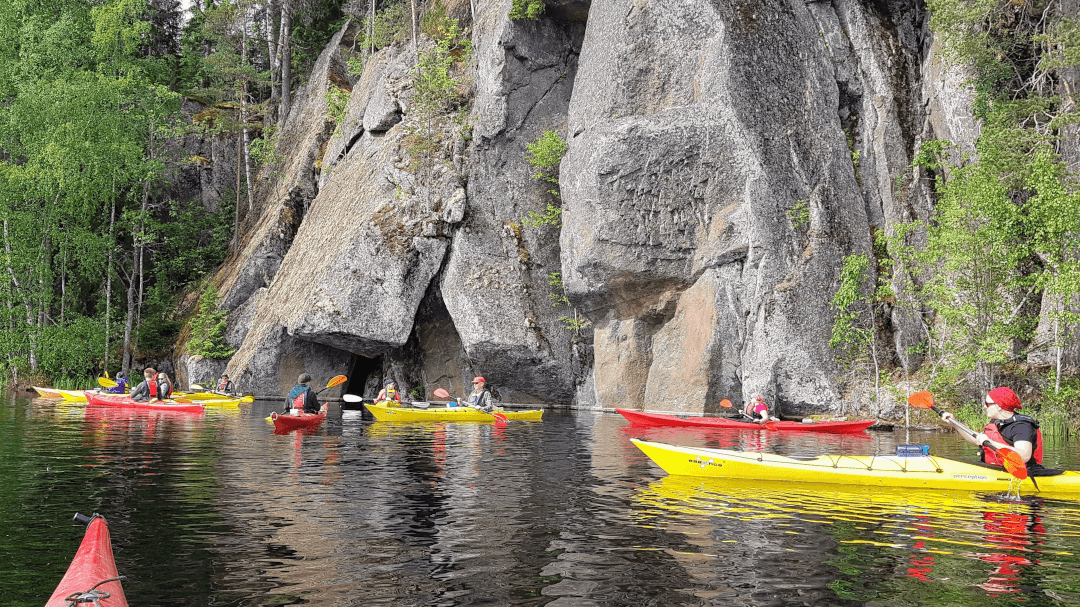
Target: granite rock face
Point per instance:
(698, 131)
(724, 157)
(496, 282)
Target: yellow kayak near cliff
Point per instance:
(384, 413)
(923, 472)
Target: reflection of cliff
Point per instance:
(694, 129)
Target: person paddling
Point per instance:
(389, 393)
(301, 398)
(480, 398)
(1007, 429)
(224, 385)
(121, 384)
(164, 387)
(147, 388)
(756, 409)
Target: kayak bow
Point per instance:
(91, 578)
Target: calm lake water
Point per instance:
(215, 509)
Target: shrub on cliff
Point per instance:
(208, 328)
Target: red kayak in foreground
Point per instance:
(86, 577)
(308, 421)
(640, 418)
(125, 402)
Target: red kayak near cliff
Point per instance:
(640, 418)
(307, 421)
(96, 399)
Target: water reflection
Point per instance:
(217, 509)
(990, 542)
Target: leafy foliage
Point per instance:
(437, 90)
(208, 328)
(526, 9)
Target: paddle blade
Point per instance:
(441, 393)
(196, 388)
(183, 399)
(336, 381)
(500, 419)
(105, 382)
(351, 398)
(725, 403)
(921, 400)
(1014, 464)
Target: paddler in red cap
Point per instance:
(1007, 429)
(480, 397)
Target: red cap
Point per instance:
(1005, 398)
(478, 378)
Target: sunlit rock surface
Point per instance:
(724, 158)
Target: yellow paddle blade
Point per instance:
(105, 382)
(922, 400)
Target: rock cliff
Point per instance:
(724, 157)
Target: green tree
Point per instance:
(208, 328)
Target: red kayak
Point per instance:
(116, 400)
(308, 421)
(640, 418)
(92, 566)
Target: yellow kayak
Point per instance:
(220, 402)
(209, 396)
(384, 413)
(47, 392)
(73, 396)
(925, 472)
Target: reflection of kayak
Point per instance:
(93, 564)
(125, 402)
(383, 413)
(640, 418)
(308, 421)
(47, 392)
(929, 472)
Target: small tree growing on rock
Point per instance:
(208, 328)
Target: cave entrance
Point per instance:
(364, 376)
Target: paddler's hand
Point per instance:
(981, 438)
(946, 417)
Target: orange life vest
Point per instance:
(993, 433)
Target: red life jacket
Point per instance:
(224, 383)
(152, 385)
(993, 433)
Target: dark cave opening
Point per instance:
(365, 374)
